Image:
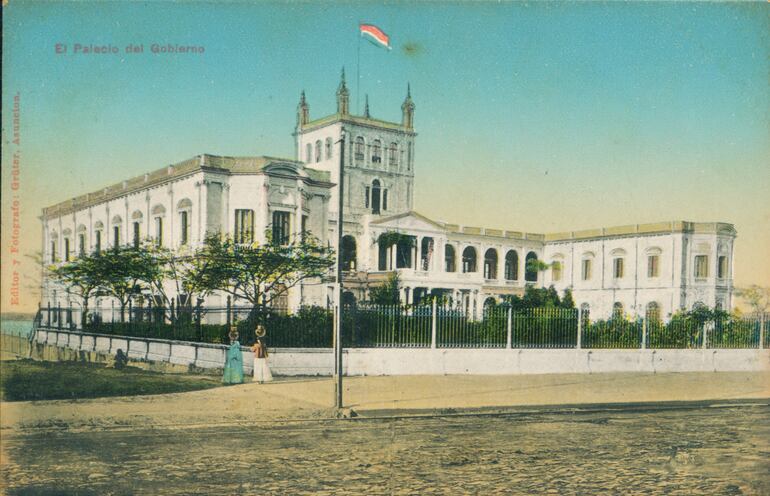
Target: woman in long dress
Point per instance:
(233, 373)
(261, 369)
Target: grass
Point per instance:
(25, 380)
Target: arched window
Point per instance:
(318, 150)
(184, 209)
(136, 217)
(469, 259)
(98, 229)
(66, 234)
(530, 261)
(348, 253)
(489, 302)
(383, 260)
(376, 152)
(426, 253)
(393, 155)
(618, 263)
(449, 259)
(512, 266)
(54, 247)
(617, 310)
(585, 310)
(158, 213)
(376, 196)
(309, 153)
(116, 225)
(490, 264)
(328, 148)
(81, 240)
(359, 149)
(653, 311)
(348, 299)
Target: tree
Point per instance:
(387, 293)
(124, 272)
(81, 277)
(567, 301)
(757, 297)
(257, 273)
(541, 298)
(166, 266)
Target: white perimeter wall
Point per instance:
(423, 361)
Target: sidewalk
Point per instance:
(311, 398)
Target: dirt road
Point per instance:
(712, 450)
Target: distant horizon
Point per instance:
(543, 118)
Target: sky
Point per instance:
(539, 117)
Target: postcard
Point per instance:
(385, 248)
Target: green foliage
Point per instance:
(82, 277)
(616, 332)
(387, 293)
(544, 327)
(257, 273)
(126, 272)
(567, 301)
(541, 298)
(536, 265)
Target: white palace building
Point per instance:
(665, 266)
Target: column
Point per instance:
(297, 226)
(261, 213)
(172, 237)
(437, 251)
(198, 217)
(418, 253)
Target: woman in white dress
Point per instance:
(261, 369)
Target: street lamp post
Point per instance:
(338, 282)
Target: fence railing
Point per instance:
(420, 326)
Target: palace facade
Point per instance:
(663, 266)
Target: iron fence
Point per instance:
(615, 333)
(456, 329)
(419, 326)
(544, 328)
(387, 326)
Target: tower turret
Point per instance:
(303, 111)
(343, 96)
(407, 110)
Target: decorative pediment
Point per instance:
(410, 221)
(285, 168)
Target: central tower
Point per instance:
(379, 156)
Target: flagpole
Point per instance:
(358, 71)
